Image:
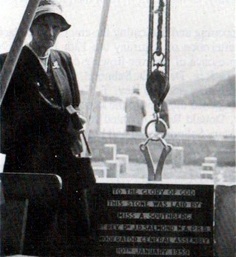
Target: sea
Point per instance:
(184, 119)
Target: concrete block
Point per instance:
(110, 151)
(124, 162)
(177, 155)
(100, 171)
(113, 168)
(208, 170)
(208, 166)
(210, 160)
(207, 175)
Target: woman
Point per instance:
(38, 132)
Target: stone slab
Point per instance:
(113, 168)
(154, 220)
(177, 156)
(124, 162)
(100, 171)
(225, 220)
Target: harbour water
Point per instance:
(184, 119)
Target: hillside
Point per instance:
(107, 98)
(188, 87)
(221, 94)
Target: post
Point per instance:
(14, 53)
(96, 62)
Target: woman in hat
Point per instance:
(38, 134)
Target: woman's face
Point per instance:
(46, 30)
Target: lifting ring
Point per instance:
(156, 136)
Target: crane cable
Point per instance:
(159, 28)
(150, 37)
(157, 86)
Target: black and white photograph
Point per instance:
(117, 129)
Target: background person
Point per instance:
(164, 115)
(135, 111)
(38, 134)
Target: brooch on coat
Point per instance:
(55, 65)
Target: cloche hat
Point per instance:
(51, 7)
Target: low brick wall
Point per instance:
(196, 148)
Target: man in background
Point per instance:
(135, 111)
(164, 115)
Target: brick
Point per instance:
(210, 160)
(177, 155)
(208, 170)
(100, 171)
(124, 162)
(110, 151)
(113, 168)
(208, 166)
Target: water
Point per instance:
(184, 119)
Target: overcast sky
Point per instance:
(202, 39)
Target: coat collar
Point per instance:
(30, 57)
(61, 78)
(28, 60)
(36, 71)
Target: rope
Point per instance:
(167, 46)
(150, 37)
(159, 27)
(157, 84)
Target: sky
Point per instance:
(202, 40)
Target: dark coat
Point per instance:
(34, 128)
(37, 136)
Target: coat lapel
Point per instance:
(31, 64)
(61, 79)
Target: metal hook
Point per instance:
(158, 64)
(150, 166)
(155, 175)
(165, 151)
(156, 136)
(144, 145)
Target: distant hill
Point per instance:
(188, 87)
(221, 94)
(107, 98)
